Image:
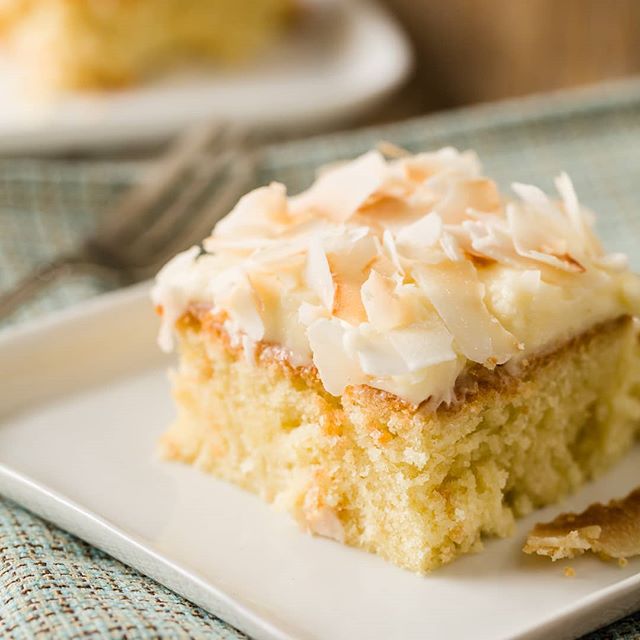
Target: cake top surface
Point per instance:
(399, 273)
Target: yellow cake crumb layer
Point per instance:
(416, 487)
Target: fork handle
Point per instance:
(43, 276)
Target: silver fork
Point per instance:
(197, 182)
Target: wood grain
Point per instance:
(477, 50)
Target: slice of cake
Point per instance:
(401, 356)
(73, 44)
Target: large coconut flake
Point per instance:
(339, 193)
(423, 345)
(377, 356)
(454, 290)
(423, 233)
(349, 260)
(579, 217)
(318, 273)
(489, 239)
(234, 293)
(479, 194)
(451, 247)
(335, 368)
(256, 213)
(383, 307)
(389, 244)
(543, 237)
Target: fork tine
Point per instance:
(166, 224)
(129, 213)
(223, 184)
(161, 215)
(107, 248)
(218, 204)
(171, 221)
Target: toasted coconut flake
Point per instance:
(532, 195)
(318, 273)
(390, 245)
(543, 237)
(235, 293)
(570, 201)
(611, 531)
(383, 210)
(479, 194)
(580, 218)
(454, 290)
(425, 232)
(384, 266)
(377, 356)
(349, 262)
(391, 150)
(336, 369)
(256, 213)
(347, 302)
(340, 192)
(441, 166)
(323, 521)
(423, 345)
(451, 247)
(383, 307)
(490, 239)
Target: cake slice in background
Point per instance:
(77, 44)
(403, 357)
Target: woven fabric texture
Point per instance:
(54, 585)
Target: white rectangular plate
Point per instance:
(83, 399)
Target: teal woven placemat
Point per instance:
(52, 584)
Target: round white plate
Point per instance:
(340, 59)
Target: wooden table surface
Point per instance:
(479, 50)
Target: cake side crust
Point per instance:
(417, 487)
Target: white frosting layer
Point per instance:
(396, 274)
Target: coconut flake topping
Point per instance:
(398, 273)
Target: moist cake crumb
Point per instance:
(429, 358)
